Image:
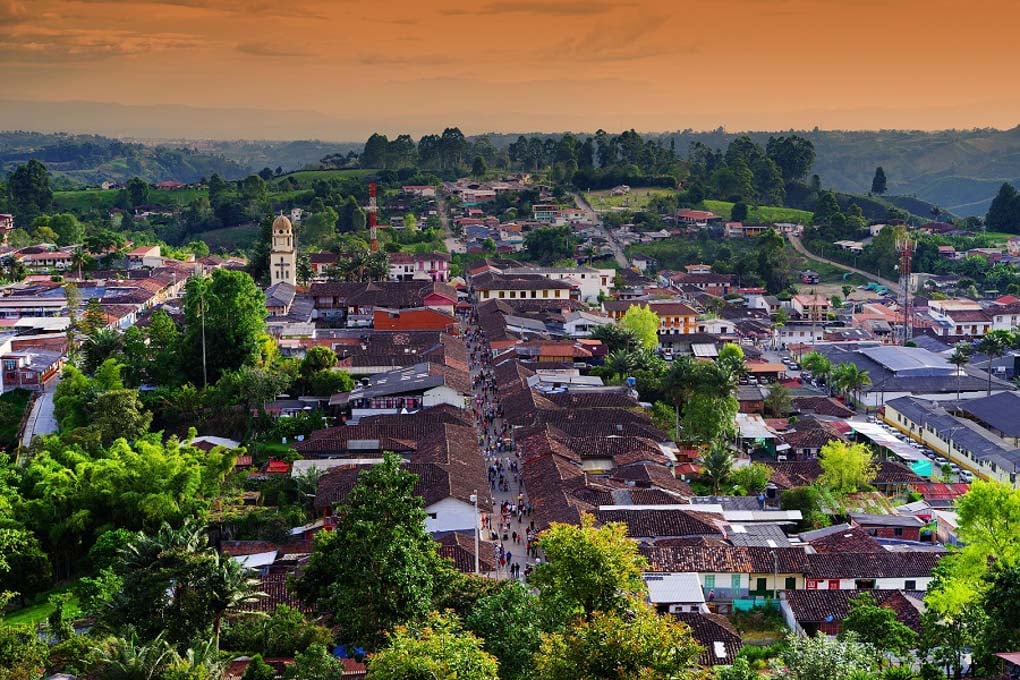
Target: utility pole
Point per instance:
(905, 248)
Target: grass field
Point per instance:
(231, 238)
(764, 214)
(40, 609)
(636, 201)
(1000, 236)
(305, 177)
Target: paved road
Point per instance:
(593, 216)
(452, 244)
(799, 247)
(41, 420)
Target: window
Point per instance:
(762, 585)
(898, 531)
(710, 581)
(910, 585)
(735, 581)
(834, 584)
(791, 583)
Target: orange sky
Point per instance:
(512, 65)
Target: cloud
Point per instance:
(383, 59)
(623, 41)
(48, 46)
(12, 12)
(293, 8)
(264, 50)
(552, 8)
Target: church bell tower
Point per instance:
(283, 256)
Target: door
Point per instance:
(762, 585)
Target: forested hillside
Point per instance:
(958, 170)
(91, 159)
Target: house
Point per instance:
(6, 222)
(409, 389)
(322, 262)
(674, 316)
(959, 318)
(716, 635)
(592, 284)
(905, 527)
(354, 304)
(741, 230)
(911, 570)
(579, 324)
(30, 369)
(419, 190)
(697, 218)
(490, 285)
(813, 612)
(420, 266)
(675, 593)
(751, 398)
(144, 256)
(811, 306)
(545, 212)
(731, 572)
(448, 477)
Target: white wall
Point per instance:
(451, 514)
(443, 395)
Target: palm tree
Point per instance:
(960, 358)
(620, 363)
(79, 258)
(130, 660)
(229, 588)
(994, 344)
(98, 347)
(717, 464)
(849, 379)
(818, 365)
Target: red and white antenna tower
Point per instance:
(905, 248)
(372, 208)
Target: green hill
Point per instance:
(91, 159)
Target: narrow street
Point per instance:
(621, 257)
(507, 523)
(452, 244)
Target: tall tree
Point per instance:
(643, 323)
(879, 627)
(1004, 212)
(794, 155)
(587, 569)
(233, 311)
(138, 191)
(380, 567)
(29, 192)
(960, 358)
(878, 183)
(507, 624)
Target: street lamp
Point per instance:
(474, 500)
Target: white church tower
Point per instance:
(283, 256)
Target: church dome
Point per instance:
(281, 222)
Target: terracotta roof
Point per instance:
(715, 634)
(847, 540)
(818, 606)
(459, 548)
(662, 523)
(823, 406)
(872, 564)
(724, 559)
(274, 585)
